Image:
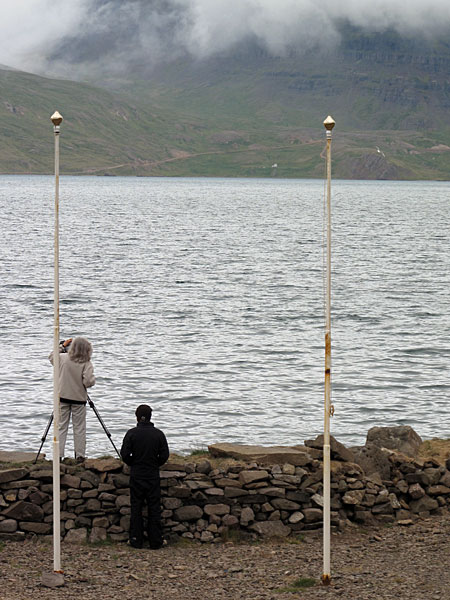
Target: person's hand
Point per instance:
(67, 342)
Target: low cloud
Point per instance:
(28, 30)
(109, 34)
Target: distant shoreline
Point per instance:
(224, 176)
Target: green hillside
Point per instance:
(100, 130)
(238, 115)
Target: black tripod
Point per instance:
(92, 405)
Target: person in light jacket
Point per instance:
(76, 373)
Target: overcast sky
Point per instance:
(31, 31)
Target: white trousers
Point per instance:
(78, 412)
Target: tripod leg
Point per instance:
(44, 437)
(92, 405)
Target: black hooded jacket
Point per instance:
(145, 449)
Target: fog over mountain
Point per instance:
(81, 36)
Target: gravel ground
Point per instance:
(411, 563)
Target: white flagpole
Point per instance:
(326, 576)
(56, 119)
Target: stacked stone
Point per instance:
(415, 488)
(421, 487)
(204, 503)
(95, 503)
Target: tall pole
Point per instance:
(56, 119)
(326, 576)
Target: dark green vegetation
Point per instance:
(238, 115)
(200, 452)
(300, 584)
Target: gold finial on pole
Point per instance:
(329, 123)
(56, 118)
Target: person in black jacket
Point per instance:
(145, 449)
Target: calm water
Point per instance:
(204, 297)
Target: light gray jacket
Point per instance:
(74, 378)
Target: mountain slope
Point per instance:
(99, 130)
(243, 112)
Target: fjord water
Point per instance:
(205, 298)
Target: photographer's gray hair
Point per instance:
(80, 350)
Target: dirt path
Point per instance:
(378, 564)
(184, 156)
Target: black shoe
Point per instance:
(157, 546)
(135, 544)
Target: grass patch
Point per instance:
(183, 542)
(301, 583)
(199, 452)
(298, 539)
(232, 535)
(101, 543)
(2, 546)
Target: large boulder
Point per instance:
(402, 438)
(373, 460)
(264, 455)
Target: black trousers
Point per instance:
(146, 491)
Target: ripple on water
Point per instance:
(205, 299)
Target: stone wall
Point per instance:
(204, 502)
